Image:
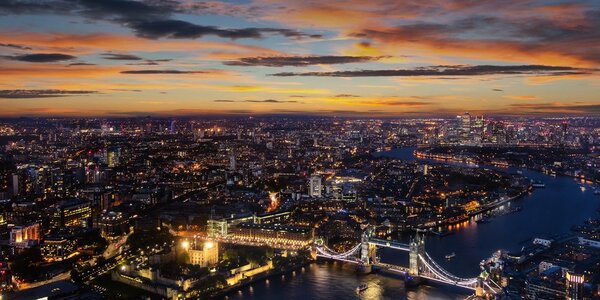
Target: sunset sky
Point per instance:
(345, 58)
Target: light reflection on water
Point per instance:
(546, 212)
(332, 280)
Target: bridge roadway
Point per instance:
(425, 266)
(390, 244)
(429, 269)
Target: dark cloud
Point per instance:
(148, 19)
(498, 90)
(15, 46)
(559, 108)
(566, 34)
(290, 33)
(126, 90)
(161, 72)
(120, 56)
(272, 101)
(178, 29)
(28, 94)
(457, 70)
(259, 101)
(128, 9)
(346, 96)
(41, 57)
(298, 61)
(401, 103)
(33, 6)
(81, 64)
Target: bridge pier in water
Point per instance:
(368, 253)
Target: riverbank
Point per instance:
(545, 213)
(257, 278)
(468, 216)
(487, 207)
(475, 161)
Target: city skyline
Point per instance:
(124, 58)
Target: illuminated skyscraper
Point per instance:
(172, 127)
(574, 283)
(465, 126)
(477, 130)
(315, 186)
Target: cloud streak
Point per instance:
(15, 46)
(450, 71)
(120, 56)
(41, 57)
(299, 61)
(31, 94)
(559, 107)
(272, 101)
(177, 29)
(148, 72)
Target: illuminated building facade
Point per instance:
(113, 224)
(56, 248)
(25, 236)
(574, 284)
(273, 234)
(204, 254)
(315, 186)
(221, 227)
(72, 213)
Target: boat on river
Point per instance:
(361, 288)
(538, 184)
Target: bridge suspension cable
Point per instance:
(431, 266)
(440, 272)
(325, 251)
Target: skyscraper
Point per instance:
(478, 127)
(465, 126)
(232, 162)
(574, 283)
(315, 186)
(15, 184)
(172, 127)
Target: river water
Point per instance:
(546, 212)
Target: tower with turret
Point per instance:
(417, 247)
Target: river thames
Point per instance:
(546, 213)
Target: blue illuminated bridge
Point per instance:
(421, 265)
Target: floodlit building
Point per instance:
(204, 254)
(72, 213)
(574, 283)
(25, 236)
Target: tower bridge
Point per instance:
(421, 265)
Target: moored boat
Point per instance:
(361, 288)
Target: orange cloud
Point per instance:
(95, 42)
(521, 97)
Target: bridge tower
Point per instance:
(368, 251)
(417, 247)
